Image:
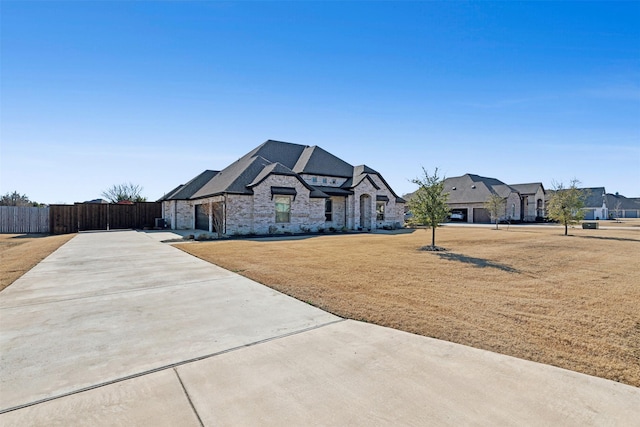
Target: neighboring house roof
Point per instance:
(185, 191)
(616, 201)
(528, 189)
(470, 188)
(594, 197)
(284, 158)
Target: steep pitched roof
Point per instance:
(286, 153)
(594, 196)
(316, 161)
(470, 188)
(185, 191)
(234, 178)
(283, 158)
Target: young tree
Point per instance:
(124, 192)
(617, 209)
(215, 213)
(496, 205)
(566, 203)
(429, 204)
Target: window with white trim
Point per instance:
(283, 208)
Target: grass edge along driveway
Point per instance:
(527, 292)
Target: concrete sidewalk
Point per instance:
(118, 329)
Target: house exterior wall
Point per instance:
(179, 214)
(364, 188)
(530, 211)
(257, 215)
(210, 200)
(512, 208)
(338, 214)
(393, 211)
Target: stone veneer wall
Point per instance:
(393, 211)
(179, 214)
(339, 208)
(257, 213)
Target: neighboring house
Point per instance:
(533, 200)
(468, 194)
(280, 187)
(595, 203)
(622, 207)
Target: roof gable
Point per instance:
(530, 188)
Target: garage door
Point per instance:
(202, 219)
(481, 215)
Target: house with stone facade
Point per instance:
(280, 187)
(468, 194)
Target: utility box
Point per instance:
(590, 225)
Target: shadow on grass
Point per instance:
(476, 262)
(619, 239)
(31, 236)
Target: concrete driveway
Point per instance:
(116, 328)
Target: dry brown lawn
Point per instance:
(529, 292)
(19, 253)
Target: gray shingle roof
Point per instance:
(283, 158)
(470, 188)
(625, 202)
(185, 191)
(316, 161)
(594, 196)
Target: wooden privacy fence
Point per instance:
(24, 219)
(98, 216)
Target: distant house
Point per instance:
(280, 187)
(595, 203)
(532, 200)
(468, 193)
(622, 207)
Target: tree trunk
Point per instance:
(433, 237)
(566, 229)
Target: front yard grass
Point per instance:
(528, 292)
(19, 253)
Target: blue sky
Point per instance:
(100, 93)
